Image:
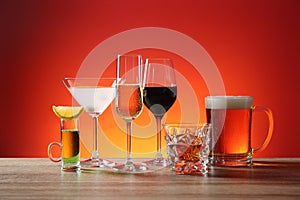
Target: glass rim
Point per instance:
(88, 78)
(71, 82)
(129, 55)
(158, 58)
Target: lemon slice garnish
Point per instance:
(67, 112)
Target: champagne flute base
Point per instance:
(132, 168)
(94, 163)
(120, 167)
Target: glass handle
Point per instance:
(271, 127)
(50, 146)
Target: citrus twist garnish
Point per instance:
(67, 112)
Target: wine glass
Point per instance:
(95, 95)
(160, 93)
(129, 102)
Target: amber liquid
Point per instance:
(129, 101)
(230, 134)
(192, 153)
(70, 146)
(187, 153)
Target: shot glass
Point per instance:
(188, 147)
(69, 145)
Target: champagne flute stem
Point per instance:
(95, 154)
(129, 144)
(158, 142)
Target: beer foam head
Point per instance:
(228, 102)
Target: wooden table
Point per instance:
(39, 178)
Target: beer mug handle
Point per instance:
(52, 144)
(271, 127)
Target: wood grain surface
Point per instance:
(39, 178)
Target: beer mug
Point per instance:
(69, 145)
(231, 119)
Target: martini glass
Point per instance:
(95, 95)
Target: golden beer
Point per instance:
(231, 118)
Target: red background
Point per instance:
(255, 45)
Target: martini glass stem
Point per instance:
(95, 154)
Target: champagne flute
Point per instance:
(129, 102)
(95, 95)
(160, 93)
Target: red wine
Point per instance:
(159, 99)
